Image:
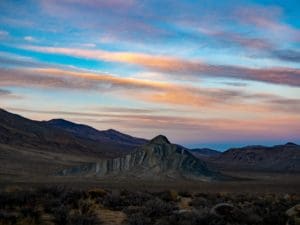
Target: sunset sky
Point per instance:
(204, 73)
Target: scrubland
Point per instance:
(91, 206)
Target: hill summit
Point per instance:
(158, 159)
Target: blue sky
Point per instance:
(204, 73)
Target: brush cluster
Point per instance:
(64, 206)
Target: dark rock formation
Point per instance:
(159, 159)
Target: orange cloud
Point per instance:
(211, 99)
(183, 67)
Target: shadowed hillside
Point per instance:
(279, 158)
(63, 137)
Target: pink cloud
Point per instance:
(177, 66)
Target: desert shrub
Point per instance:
(31, 213)
(11, 189)
(199, 202)
(51, 204)
(51, 192)
(188, 218)
(81, 219)
(135, 198)
(72, 198)
(185, 194)
(125, 199)
(26, 221)
(170, 195)
(156, 208)
(132, 210)
(149, 213)
(113, 202)
(7, 218)
(61, 215)
(138, 219)
(18, 198)
(97, 193)
(200, 194)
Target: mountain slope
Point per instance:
(204, 152)
(21, 132)
(87, 132)
(283, 158)
(158, 160)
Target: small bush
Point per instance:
(156, 208)
(185, 194)
(138, 219)
(84, 220)
(168, 196)
(61, 215)
(97, 193)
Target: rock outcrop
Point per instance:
(158, 159)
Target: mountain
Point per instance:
(158, 160)
(63, 136)
(204, 152)
(283, 158)
(125, 141)
(34, 148)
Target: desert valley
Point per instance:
(114, 174)
(149, 112)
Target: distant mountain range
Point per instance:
(204, 152)
(47, 147)
(282, 158)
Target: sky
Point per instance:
(205, 73)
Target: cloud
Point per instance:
(287, 55)
(149, 91)
(4, 92)
(117, 18)
(3, 34)
(12, 60)
(163, 93)
(268, 19)
(230, 38)
(182, 67)
(89, 45)
(7, 94)
(29, 39)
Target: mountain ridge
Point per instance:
(284, 157)
(19, 131)
(157, 160)
(85, 131)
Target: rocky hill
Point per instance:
(158, 159)
(279, 158)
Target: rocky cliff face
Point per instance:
(159, 159)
